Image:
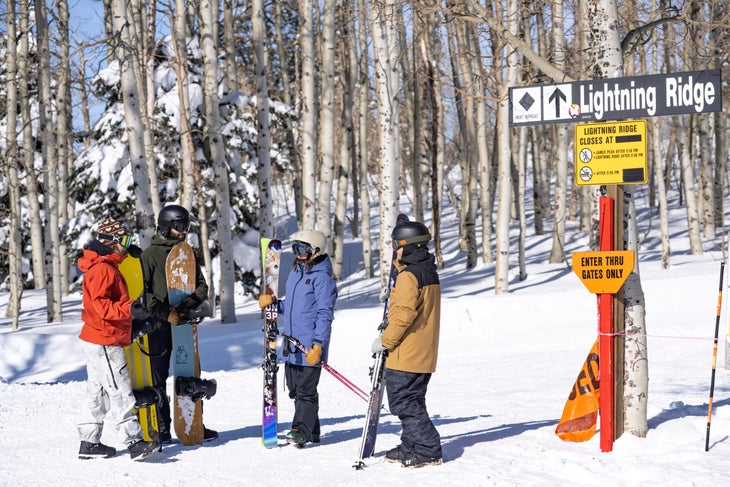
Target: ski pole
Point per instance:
(347, 382)
(714, 358)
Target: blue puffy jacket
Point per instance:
(309, 308)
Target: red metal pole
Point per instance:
(605, 327)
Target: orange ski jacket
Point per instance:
(106, 312)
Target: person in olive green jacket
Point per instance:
(173, 224)
(411, 340)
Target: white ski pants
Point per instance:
(108, 389)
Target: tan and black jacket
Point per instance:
(414, 316)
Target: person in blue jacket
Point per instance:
(308, 311)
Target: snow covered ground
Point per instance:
(506, 366)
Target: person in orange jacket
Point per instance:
(107, 313)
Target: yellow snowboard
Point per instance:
(138, 359)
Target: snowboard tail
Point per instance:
(140, 375)
(270, 260)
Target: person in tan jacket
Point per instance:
(411, 340)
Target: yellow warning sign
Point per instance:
(610, 153)
(603, 272)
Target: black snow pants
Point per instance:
(302, 384)
(407, 400)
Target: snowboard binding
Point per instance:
(148, 396)
(195, 387)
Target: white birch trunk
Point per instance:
(609, 64)
(187, 147)
(347, 146)
(560, 151)
(266, 211)
(308, 116)
(63, 138)
(144, 213)
(12, 162)
(327, 123)
(27, 120)
(504, 169)
(220, 167)
(50, 173)
(363, 91)
(230, 47)
(387, 79)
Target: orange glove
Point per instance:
(266, 299)
(314, 355)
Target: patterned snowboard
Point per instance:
(138, 359)
(188, 413)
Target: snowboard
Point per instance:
(377, 375)
(270, 260)
(188, 409)
(138, 359)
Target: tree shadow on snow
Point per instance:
(678, 410)
(454, 445)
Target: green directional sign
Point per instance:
(617, 98)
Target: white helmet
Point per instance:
(315, 239)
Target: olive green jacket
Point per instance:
(155, 280)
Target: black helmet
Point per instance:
(410, 233)
(173, 216)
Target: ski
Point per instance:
(270, 259)
(377, 374)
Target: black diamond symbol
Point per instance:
(527, 101)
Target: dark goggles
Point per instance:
(181, 226)
(301, 248)
(123, 240)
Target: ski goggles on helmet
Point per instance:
(301, 248)
(181, 226)
(123, 240)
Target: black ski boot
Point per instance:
(89, 450)
(140, 449)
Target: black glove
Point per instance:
(187, 304)
(142, 327)
(203, 310)
(134, 251)
(139, 312)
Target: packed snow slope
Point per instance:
(506, 365)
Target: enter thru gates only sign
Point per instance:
(603, 272)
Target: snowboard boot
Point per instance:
(414, 460)
(89, 450)
(165, 438)
(296, 438)
(209, 435)
(395, 455)
(140, 449)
